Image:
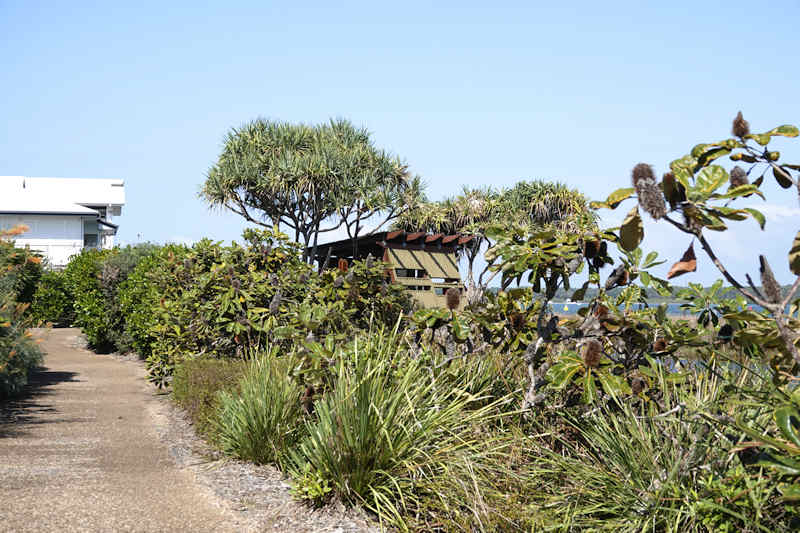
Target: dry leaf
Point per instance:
(688, 263)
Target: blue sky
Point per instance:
(466, 93)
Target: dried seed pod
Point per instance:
(649, 194)
(592, 353)
(453, 298)
(771, 288)
(738, 177)
(619, 278)
(590, 248)
(638, 385)
(740, 126)
(601, 311)
(517, 320)
(275, 303)
(660, 345)
(725, 333)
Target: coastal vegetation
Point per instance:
(498, 415)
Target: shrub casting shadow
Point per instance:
(24, 409)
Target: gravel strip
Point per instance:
(257, 495)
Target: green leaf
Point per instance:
(791, 492)
(645, 278)
(784, 418)
(794, 255)
(711, 178)
(614, 199)
(589, 388)
(783, 178)
(760, 138)
(632, 231)
(742, 190)
(787, 130)
(758, 215)
(711, 155)
(682, 169)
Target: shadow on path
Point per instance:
(29, 407)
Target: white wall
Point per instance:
(57, 237)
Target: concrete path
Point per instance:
(80, 452)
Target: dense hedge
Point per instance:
(173, 303)
(20, 270)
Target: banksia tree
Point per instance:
(648, 192)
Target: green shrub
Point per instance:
(634, 468)
(196, 384)
(139, 295)
(19, 354)
(391, 433)
(20, 268)
(264, 418)
(114, 271)
(52, 301)
(82, 279)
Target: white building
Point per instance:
(64, 215)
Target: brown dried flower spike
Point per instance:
(648, 192)
(592, 353)
(738, 177)
(740, 126)
(453, 297)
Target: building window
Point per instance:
(410, 273)
(90, 240)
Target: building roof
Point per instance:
(31, 205)
(83, 191)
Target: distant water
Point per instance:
(571, 308)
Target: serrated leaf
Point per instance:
(631, 232)
(794, 255)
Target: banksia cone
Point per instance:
(302, 278)
(637, 385)
(771, 288)
(236, 284)
(273, 279)
(648, 192)
(275, 303)
(590, 248)
(453, 298)
(338, 282)
(740, 126)
(592, 353)
(660, 345)
(738, 177)
(368, 263)
(343, 265)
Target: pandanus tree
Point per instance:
(478, 213)
(310, 179)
